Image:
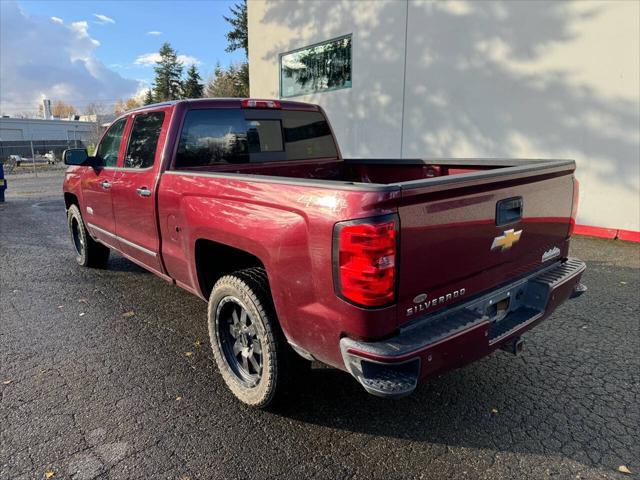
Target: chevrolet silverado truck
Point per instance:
(394, 270)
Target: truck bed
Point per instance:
(406, 173)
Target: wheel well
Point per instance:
(70, 199)
(213, 260)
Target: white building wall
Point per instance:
(360, 114)
(482, 79)
(38, 129)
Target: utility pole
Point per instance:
(33, 158)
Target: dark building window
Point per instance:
(322, 67)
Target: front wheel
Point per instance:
(89, 253)
(248, 345)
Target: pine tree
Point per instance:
(193, 88)
(228, 83)
(238, 37)
(242, 74)
(168, 81)
(148, 98)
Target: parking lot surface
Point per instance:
(108, 374)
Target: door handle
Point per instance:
(105, 184)
(143, 191)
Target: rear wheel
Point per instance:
(89, 253)
(253, 357)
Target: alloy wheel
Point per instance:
(240, 340)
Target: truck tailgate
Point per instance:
(463, 235)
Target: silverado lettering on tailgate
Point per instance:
(422, 304)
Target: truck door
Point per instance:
(98, 182)
(134, 200)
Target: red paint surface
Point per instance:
(445, 232)
(445, 244)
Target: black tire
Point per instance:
(89, 253)
(248, 290)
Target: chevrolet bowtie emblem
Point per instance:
(506, 240)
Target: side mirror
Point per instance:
(77, 156)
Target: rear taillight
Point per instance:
(365, 261)
(251, 103)
(574, 206)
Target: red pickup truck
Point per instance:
(394, 270)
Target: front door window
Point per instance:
(109, 147)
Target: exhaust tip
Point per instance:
(515, 346)
(578, 290)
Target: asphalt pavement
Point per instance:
(108, 374)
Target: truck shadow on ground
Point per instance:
(495, 404)
(466, 400)
(121, 264)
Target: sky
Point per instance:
(99, 51)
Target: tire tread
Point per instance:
(96, 255)
(254, 283)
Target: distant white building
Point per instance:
(16, 129)
(419, 79)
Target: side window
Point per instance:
(108, 149)
(143, 140)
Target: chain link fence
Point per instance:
(16, 154)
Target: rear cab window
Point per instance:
(217, 136)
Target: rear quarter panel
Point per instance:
(289, 227)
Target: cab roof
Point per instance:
(225, 103)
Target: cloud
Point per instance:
(150, 59)
(147, 59)
(103, 19)
(188, 60)
(57, 20)
(42, 57)
(81, 29)
(154, 32)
